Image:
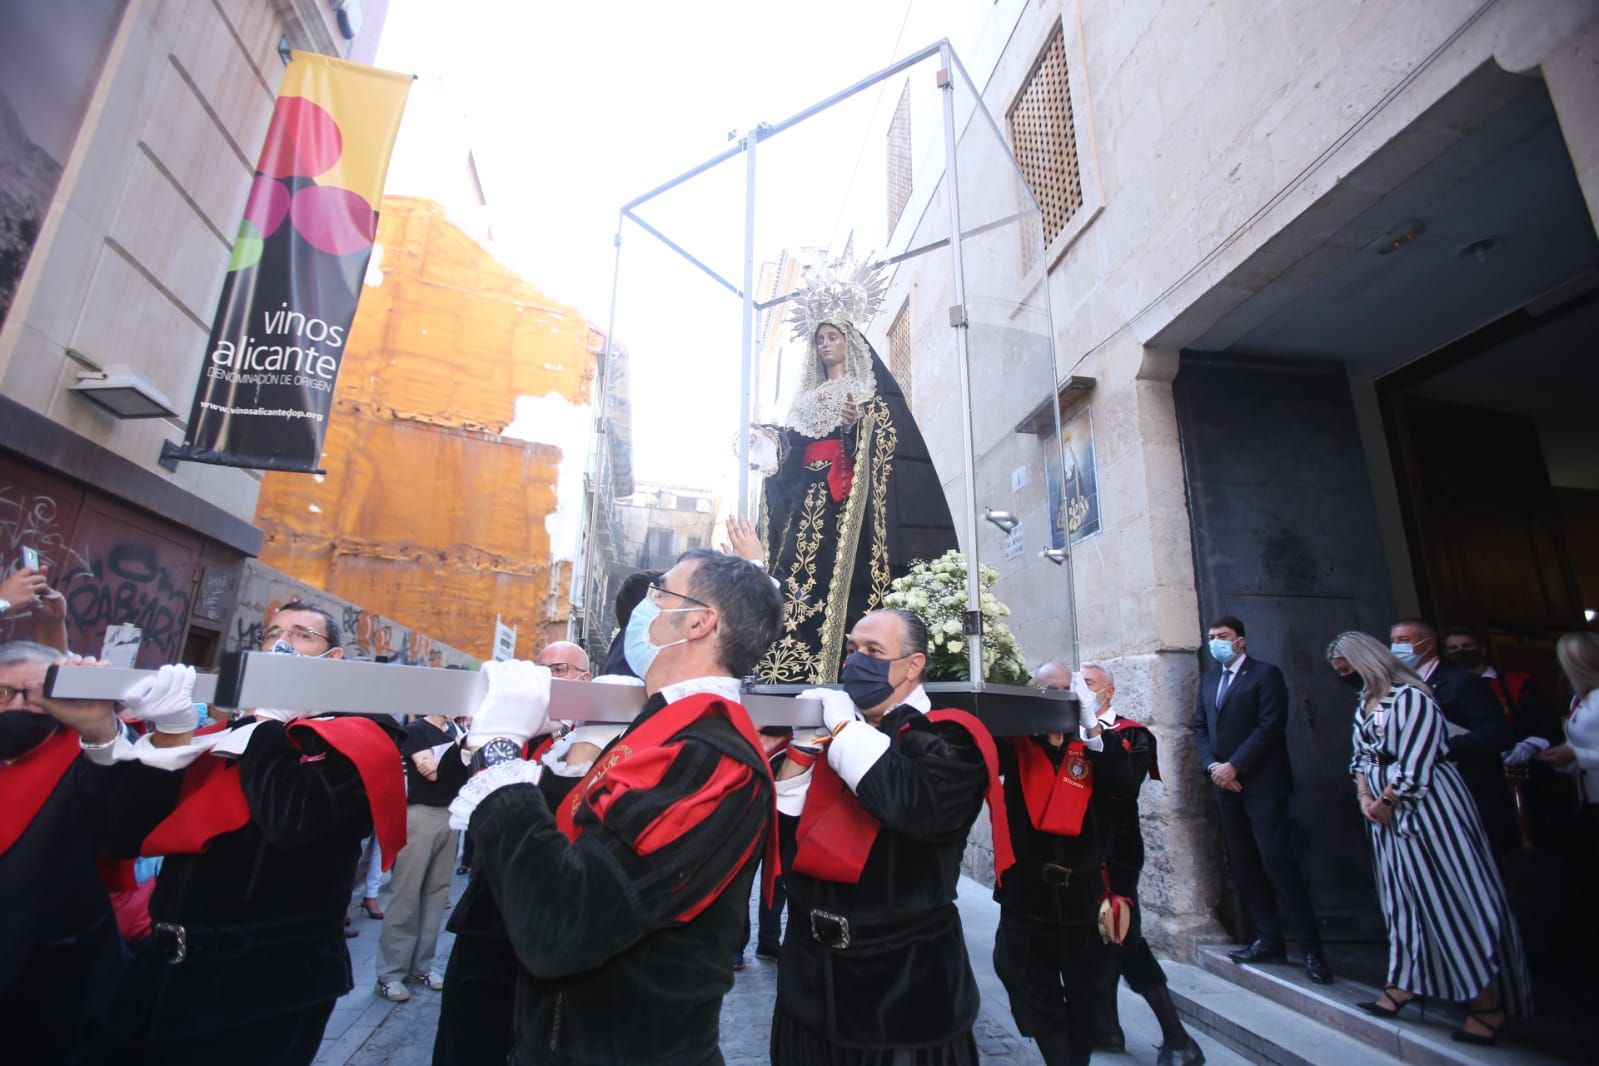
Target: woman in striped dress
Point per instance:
(1450, 933)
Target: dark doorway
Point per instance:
(1285, 537)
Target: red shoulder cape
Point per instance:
(836, 833)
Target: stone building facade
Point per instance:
(1306, 248)
(129, 239)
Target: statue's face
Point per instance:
(830, 345)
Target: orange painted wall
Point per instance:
(426, 515)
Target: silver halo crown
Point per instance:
(841, 291)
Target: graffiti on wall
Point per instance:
(112, 566)
(131, 584)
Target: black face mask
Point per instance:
(1466, 659)
(865, 679)
(1352, 679)
(22, 731)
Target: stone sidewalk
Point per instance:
(368, 1031)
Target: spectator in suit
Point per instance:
(1479, 732)
(1240, 738)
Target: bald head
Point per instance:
(566, 660)
(1053, 676)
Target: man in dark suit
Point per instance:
(1479, 732)
(1239, 735)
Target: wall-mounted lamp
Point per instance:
(1054, 555)
(124, 391)
(1003, 519)
(348, 14)
(285, 49)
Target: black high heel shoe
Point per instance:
(1466, 1036)
(1395, 1006)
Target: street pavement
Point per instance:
(368, 1031)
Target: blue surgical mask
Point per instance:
(1222, 650)
(637, 647)
(865, 679)
(283, 647)
(1405, 653)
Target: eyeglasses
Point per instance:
(562, 669)
(293, 634)
(656, 592)
(9, 693)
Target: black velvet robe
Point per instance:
(1047, 951)
(290, 864)
(477, 1014)
(61, 956)
(608, 975)
(905, 980)
(894, 514)
(1024, 893)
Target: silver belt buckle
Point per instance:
(180, 940)
(841, 940)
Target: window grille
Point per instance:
(899, 350)
(899, 158)
(1045, 141)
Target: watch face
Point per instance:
(498, 750)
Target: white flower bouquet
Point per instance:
(936, 593)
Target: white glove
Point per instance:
(516, 705)
(1088, 713)
(166, 701)
(837, 708)
(1524, 752)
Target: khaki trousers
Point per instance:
(419, 886)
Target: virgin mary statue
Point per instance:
(850, 498)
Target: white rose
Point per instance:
(956, 646)
(952, 626)
(938, 638)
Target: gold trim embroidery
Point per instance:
(850, 520)
(580, 797)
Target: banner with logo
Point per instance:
(282, 323)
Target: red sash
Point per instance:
(1154, 748)
(1056, 800)
(29, 781)
(836, 833)
(641, 757)
(211, 801)
(841, 469)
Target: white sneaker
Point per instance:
(393, 991)
(432, 979)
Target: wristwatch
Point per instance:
(496, 751)
(5, 607)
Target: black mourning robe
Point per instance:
(61, 954)
(607, 974)
(270, 896)
(894, 514)
(905, 980)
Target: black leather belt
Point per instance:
(879, 931)
(1055, 875)
(175, 943)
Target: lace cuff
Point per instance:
(493, 779)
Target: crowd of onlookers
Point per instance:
(1460, 773)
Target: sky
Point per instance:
(572, 110)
